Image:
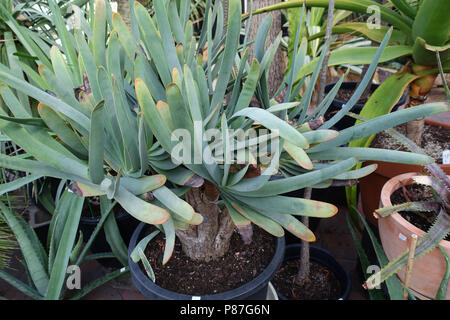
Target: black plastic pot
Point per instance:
(42, 233)
(126, 224)
(336, 105)
(333, 195)
(324, 258)
(253, 290)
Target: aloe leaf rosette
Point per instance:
(120, 113)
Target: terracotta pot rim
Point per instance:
(385, 197)
(437, 123)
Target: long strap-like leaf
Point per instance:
(65, 247)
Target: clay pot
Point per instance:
(371, 185)
(395, 234)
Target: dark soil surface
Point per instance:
(416, 192)
(345, 94)
(435, 140)
(239, 266)
(323, 286)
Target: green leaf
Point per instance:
(248, 90)
(77, 248)
(292, 224)
(375, 294)
(24, 35)
(288, 205)
(362, 28)
(35, 266)
(382, 123)
(279, 186)
(59, 268)
(143, 70)
(99, 33)
(442, 291)
(112, 232)
(174, 203)
(81, 121)
(359, 6)
(175, 22)
(14, 65)
(162, 19)
(60, 128)
(383, 100)
(67, 41)
(405, 8)
(142, 244)
(169, 231)
(153, 42)
(125, 36)
(226, 149)
(87, 60)
(96, 144)
(298, 154)
(273, 123)
(263, 222)
(19, 285)
(432, 22)
(242, 224)
(375, 154)
(356, 56)
(139, 208)
(356, 174)
(231, 45)
(319, 136)
(17, 183)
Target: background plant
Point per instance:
(420, 30)
(47, 267)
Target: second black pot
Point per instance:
(126, 224)
(324, 258)
(333, 195)
(253, 290)
(337, 104)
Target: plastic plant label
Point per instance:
(446, 157)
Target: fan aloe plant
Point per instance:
(118, 106)
(440, 183)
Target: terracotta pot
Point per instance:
(395, 234)
(371, 185)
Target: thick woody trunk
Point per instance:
(123, 8)
(418, 91)
(276, 71)
(211, 239)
